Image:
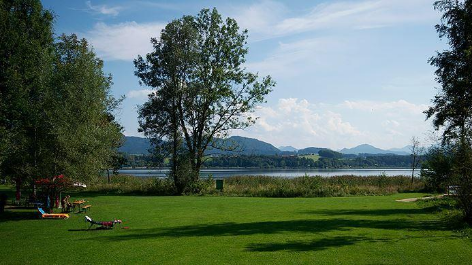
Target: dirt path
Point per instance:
(422, 198)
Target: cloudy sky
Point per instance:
(347, 72)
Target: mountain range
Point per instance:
(287, 149)
(238, 145)
(369, 149)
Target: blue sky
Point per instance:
(347, 72)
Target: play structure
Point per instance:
(45, 215)
(104, 225)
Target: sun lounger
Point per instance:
(52, 215)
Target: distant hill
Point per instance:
(288, 149)
(406, 149)
(239, 145)
(369, 149)
(310, 150)
(135, 145)
(235, 145)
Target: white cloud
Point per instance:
(299, 123)
(259, 18)
(103, 9)
(270, 19)
(124, 41)
(390, 107)
(299, 57)
(139, 94)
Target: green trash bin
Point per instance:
(220, 184)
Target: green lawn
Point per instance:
(312, 157)
(202, 230)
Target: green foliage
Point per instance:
(318, 186)
(330, 154)
(124, 184)
(26, 44)
(452, 107)
(437, 168)
(80, 116)
(202, 89)
(308, 162)
(261, 186)
(56, 112)
(312, 157)
(449, 210)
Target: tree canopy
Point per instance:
(452, 106)
(26, 46)
(56, 110)
(202, 89)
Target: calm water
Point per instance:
(289, 173)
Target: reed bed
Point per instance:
(316, 186)
(263, 186)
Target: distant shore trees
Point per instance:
(56, 111)
(202, 90)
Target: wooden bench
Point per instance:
(86, 207)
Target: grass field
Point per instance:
(312, 157)
(237, 230)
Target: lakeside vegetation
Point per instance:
(280, 161)
(263, 186)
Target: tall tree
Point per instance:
(452, 106)
(166, 69)
(85, 134)
(56, 111)
(26, 43)
(203, 90)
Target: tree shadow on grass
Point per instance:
(276, 227)
(307, 226)
(330, 242)
(89, 230)
(17, 216)
(370, 212)
(93, 194)
(313, 245)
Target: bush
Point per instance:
(437, 169)
(125, 184)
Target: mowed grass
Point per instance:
(312, 157)
(237, 230)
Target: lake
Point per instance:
(288, 173)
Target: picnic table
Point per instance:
(78, 203)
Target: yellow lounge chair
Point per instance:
(52, 215)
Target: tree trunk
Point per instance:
(18, 189)
(465, 177)
(175, 160)
(198, 165)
